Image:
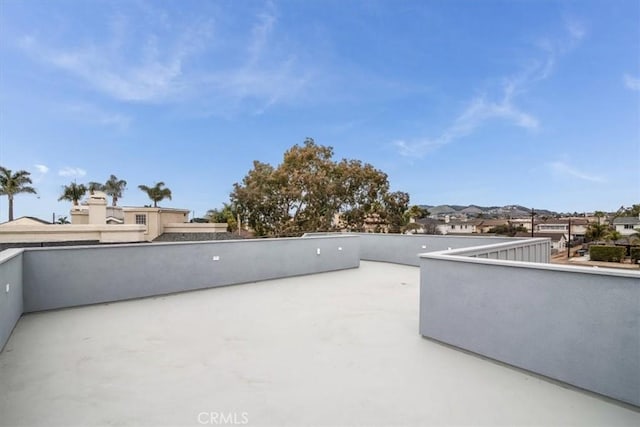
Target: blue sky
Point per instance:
(459, 102)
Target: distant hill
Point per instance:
(508, 211)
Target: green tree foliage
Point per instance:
(114, 187)
(156, 193)
(308, 189)
(14, 183)
(63, 220)
(597, 232)
(93, 186)
(411, 216)
(395, 213)
(416, 212)
(508, 229)
(634, 210)
(227, 214)
(73, 193)
(613, 235)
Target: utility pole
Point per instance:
(533, 213)
(569, 241)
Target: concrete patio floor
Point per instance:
(337, 348)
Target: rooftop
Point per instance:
(627, 220)
(338, 348)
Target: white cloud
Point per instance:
(72, 172)
(577, 29)
(166, 63)
(501, 106)
(152, 72)
(479, 111)
(563, 169)
(40, 173)
(631, 82)
(268, 74)
(92, 114)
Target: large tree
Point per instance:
(114, 187)
(156, 193)
(396, 205)
(14, 183)
(73, 193)
(309, 191)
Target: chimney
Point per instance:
(97, 208)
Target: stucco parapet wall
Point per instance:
(8, 254)
(71, 232)
(177, 227)
(467, 255)
(71, 276)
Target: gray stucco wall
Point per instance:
(527, 250)
(10, 302)
(65, 277)
(577, 325)
(404, 249)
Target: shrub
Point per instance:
(635, 254)
(607, 253)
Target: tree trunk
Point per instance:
(10, 207)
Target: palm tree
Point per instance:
(93, 186)
(114, 187)
(613, 236)
(73, 193)
(63, 220)
(156, 193)
(14, 183)
(596, 232)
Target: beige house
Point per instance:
(458, 226)
(25, 220)
(155, 221)
(94, 222)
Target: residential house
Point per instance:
(561, 225)
(93, 222)
(524, 222)
(427, 226)
(627, 225)
(25, 220)
(155, 221)
(558, 240)
(459, 227)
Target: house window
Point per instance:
(141, 219)
(628, 226)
